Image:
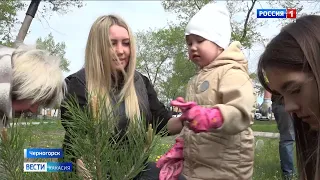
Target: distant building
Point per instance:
(42, 113)
(48, 112)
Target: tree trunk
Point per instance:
(31, 12)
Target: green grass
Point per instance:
(46, 135)
(266, 167)
(267, 164)
(265, 126)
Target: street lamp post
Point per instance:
(31, 12)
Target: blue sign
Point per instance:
(43, 153)
(35, 167)
(59, 167)
(271, 13)
(47, 167)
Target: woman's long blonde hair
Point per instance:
(99, 55)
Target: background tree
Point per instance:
(59, 50)
(178, 70)
(244, 29)
(150, 54)
(56, 49)
(8, 19)
(157, 54)
(9, 10)
(177, 80)
(302, 7)
(245, 26)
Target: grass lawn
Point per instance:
(46, 135)
(267, 166)
(265, 126)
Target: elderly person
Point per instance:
(29, 77)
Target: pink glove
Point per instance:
(184, 106)
(201, 119)
(171, 164)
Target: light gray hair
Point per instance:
(37, 76)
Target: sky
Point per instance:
(73, 27)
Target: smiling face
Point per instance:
(300, 93)
(201, 51)
(120, 40)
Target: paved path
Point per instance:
(266, 134)
(33, 123)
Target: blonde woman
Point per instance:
(29, 77)
(110, 69)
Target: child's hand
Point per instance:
(203, 119)
(200, 119)
(184, 106)
(83, 172)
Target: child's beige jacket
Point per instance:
(226, 153)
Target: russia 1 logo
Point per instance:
(291, 13)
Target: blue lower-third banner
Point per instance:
(43, 153)
(47, 167)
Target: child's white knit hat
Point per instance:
(212, 22)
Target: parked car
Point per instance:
(258, 115)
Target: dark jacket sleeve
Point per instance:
(75, 89)
(160, 114)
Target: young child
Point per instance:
(216, 141)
